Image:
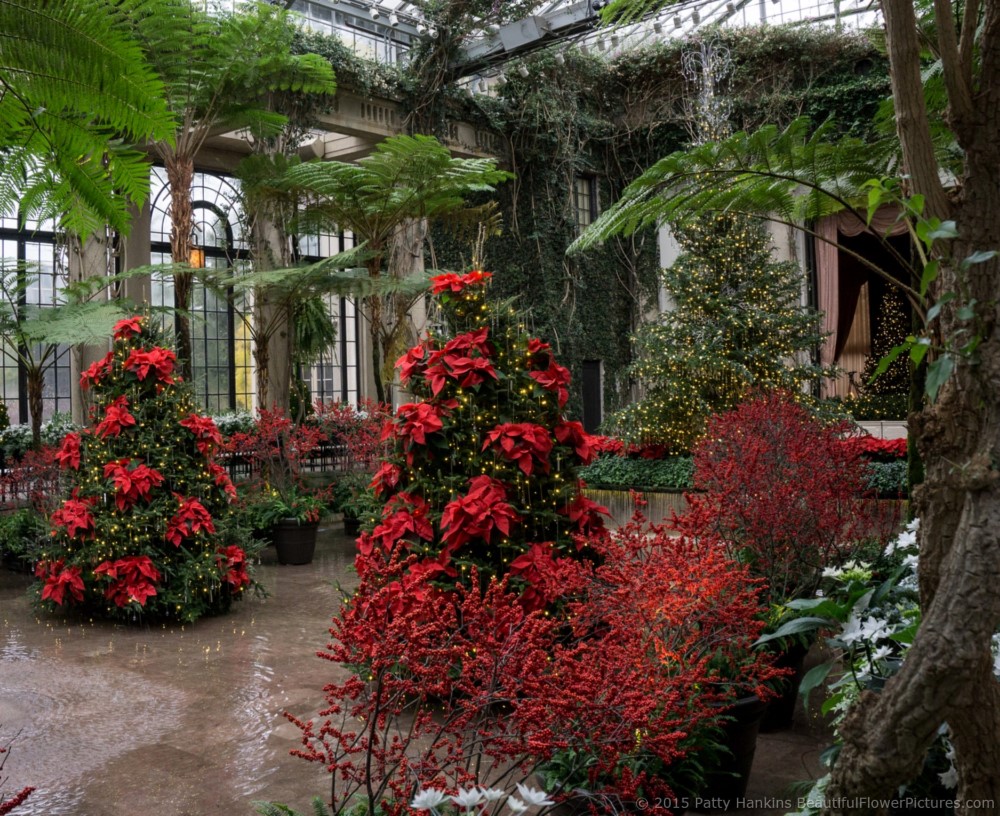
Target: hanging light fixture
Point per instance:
(695, 17)
(677, 21)
(523, 70)
(658, 27)
(375, 12)
(196, 260)
(731, 8)
(393, 18)
(559, 58)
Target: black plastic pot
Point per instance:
(727, 783)
(780, 713)
(295, 543)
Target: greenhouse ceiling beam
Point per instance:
(521, 37)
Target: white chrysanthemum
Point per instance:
(428, 799)
(468, 798)
(533, 796)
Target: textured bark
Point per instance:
(947, 676)
(271, 330)
(180, 175)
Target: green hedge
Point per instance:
(887, 479)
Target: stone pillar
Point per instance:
(89, 259)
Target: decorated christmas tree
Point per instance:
(736, 324)
(891, 329)
(146, 526)
(483, 467)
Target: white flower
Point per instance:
(913, 526)
(832, 572)
(949, 778)
(516, 805)
(492, 794)
(911, 562)
(533, 796)
(428, 799)
(852, 630)
(467, 798)
(874, 630)
(881, 653)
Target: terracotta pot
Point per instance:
(295, 543)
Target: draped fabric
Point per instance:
(837, 296)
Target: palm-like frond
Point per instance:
(406, 177)
(794, 176)
(76, 91)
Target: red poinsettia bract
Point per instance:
(116, 419)
(204, 430)
(190, 518)
(127, 327)
(524, 443)
(157, 360)
(386, 478)
(554, 378)
(97, 371)
(59, 579)
(75, 516)
(131, 484)
(133, 579)
(572, 434)
(403, 515)
(586, 514)
(477, 514)
(415, 421)
(454, 283)
(465, 359)
(68, 454)
(232, 560)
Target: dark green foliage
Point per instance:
(875, 407)
(621, 473)
(888, 480)
(23, 533)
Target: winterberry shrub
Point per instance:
(144, 527)
(783, 492)
(482, 471)
(461, 685)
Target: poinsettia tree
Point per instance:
(482, 471)
(146, 525)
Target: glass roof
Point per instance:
(385, 29)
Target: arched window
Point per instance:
(222, 366)
(36, 271)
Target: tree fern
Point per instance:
(76, 93)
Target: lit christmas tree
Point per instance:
(736, 322)
(892, 327)
(483, 468)
(145, 529)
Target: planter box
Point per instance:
(621, 504)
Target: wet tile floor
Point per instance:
(187, 721)
(175, 720)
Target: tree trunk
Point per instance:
(180, 175)
(36, 386)
(947, 675)
(272, 337)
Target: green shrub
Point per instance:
(23, 533)
(887, 479)
(620, 473)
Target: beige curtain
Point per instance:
(885, 222)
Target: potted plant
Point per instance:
(294, 513)
(355, 499)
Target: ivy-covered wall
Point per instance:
(610, 120)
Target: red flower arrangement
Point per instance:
(68, 455)
(127, 328)
(466, 359)
(133, 580)
(116, 419)
(190, 519)
(205, 431)
(524, 443)
(96, 373)
(232, 560)
(58, 580)
(477, 515)
(74, 516)
(449, 282)
(131, 484)
(157, 360)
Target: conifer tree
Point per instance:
(147, 526)
(483, 467)
(736, 323)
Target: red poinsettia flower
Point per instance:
(416, 421)
(586, 515)
(477, 514)
(127, 327)
(450, 282)
(205, 431)
(412, 363)
(68, 454)
(132, 579)
(131, 484)
(540, 571)
(554, 378)
(97, 371)
(404, 515)
(232, 561)
(116, 419)
(522, 442)
(159, 360)
(386, 478)
(571, 433)
(190, 518)
(466, 359)
(75, 516)
(221, 478)
(58, 580)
